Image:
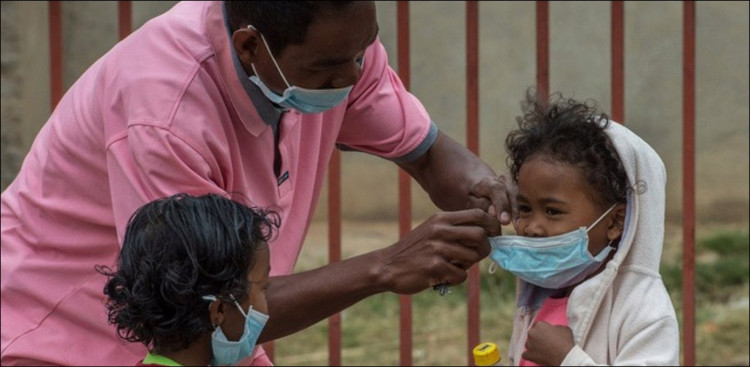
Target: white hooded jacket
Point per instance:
(623, 315)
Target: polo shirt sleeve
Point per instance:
(152, 162)
(382, 117)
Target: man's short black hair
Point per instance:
(281, 22)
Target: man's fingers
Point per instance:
(504, 199)
(465, 255)
(505, 218)
(492, 211)
(450, 274)
(464, 235)
(479, 202)
(498, 192)
(472, 217)
(462, 217)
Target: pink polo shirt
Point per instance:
(165, 111)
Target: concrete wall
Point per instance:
(579, 67)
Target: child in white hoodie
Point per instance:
(590, 229)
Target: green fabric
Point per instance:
(161, 360)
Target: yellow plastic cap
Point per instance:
(486, 354)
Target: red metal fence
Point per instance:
(472, 133)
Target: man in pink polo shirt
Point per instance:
(247, 98)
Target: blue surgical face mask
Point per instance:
(301, 99)
(227, 352)
(549, 262)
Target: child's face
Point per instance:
(257, 284)
(258, 280)
(554, 198)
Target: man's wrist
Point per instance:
(377, 272)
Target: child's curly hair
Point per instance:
(569, 131)
(175, 251)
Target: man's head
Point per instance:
(282, 22)
(317, 44)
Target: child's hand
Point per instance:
(547, 345)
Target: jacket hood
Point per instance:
(644, 220)
(644, 224)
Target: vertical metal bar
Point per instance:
(55, 52)
(542, 49)
(472, 142)
(688, 182)
(124, 18)
(404, 183)
(334, 250)
(618, 63)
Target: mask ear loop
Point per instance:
(492, 268)
(249, 26)
(601, 217)
(240, 307)
(614, 249)
(211, 299)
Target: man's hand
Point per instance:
(495, 195)
(547, 345)
(438, 251)
(455, 178)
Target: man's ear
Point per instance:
(216, 312)
(617, 224)
(247, 43)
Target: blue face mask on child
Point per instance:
(300, 99)
(549, 262)
(227, 352)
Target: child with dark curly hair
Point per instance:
(191, 278)
(590, 228)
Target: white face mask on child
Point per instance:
(227, 352)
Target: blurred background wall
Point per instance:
(579, 67)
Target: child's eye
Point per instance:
(552, 211)
(524, 208)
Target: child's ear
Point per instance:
(216, 312)
(617, 224)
